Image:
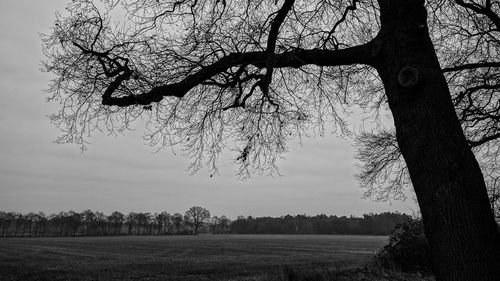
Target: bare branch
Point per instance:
(483, 10)
(292, 59)
(469, 66)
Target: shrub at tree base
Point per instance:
(407, 250)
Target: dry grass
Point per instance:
(204, 257)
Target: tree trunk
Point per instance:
(446, 177)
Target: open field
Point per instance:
(203, 257)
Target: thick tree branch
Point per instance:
(291, 59)
(276, 24)
(271, 45)
(471, 66)
(484, 140)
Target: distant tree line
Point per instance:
(195, 220)
(89, 223)
(369, 224)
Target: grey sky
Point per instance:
(125, 174)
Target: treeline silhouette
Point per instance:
(90, 223)
(369, 224)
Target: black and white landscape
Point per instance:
(250, 140)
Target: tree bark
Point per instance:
(446, 177)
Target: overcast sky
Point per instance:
(124, 173)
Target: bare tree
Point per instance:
(116, 220)
(163, 221)
(131, 222)
(197, 216)
(41, 227)
(186, 223)
(30, 221)
(467, 41)
(207, 73)
(74, 220)
(88, 218)
(177, 221)
(215, 224)
(224, 224)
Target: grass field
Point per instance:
(203, 257)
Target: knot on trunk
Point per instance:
(408, 76)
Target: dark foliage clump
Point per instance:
(407, 250)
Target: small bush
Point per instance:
(407, 250)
